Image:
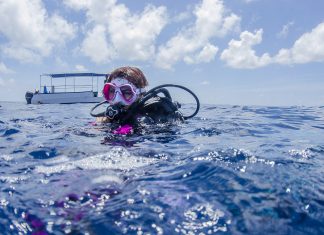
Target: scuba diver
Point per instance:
(131, 105)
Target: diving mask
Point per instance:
(120, 90)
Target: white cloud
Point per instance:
(6, 82)
(95, 45)
(22, 54)
(182, 16)
(134, 36)
(115, 33)
(285, 30)
(308, 48)
(80, 68)
(240, 54)
(77, 4)
(61, 63)
(30, 32)
(212, 20)
(4, 69)
(207, 54)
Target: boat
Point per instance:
(65, 88)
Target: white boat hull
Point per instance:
(65, 98)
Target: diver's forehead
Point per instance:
(121, 81)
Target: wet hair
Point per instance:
(132, 74)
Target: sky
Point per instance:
(236, 52)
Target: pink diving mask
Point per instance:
(120, 90)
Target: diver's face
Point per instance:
(120, 91)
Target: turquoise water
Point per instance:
(229, 170)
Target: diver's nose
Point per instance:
(118, 99)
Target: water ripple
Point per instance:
(9, 132)
(231, 170)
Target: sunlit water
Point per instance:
(229, 170)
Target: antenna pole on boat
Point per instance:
(40, 83)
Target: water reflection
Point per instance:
(162, 133)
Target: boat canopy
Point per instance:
(64, 75)
(67, 78)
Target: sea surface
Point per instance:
(229, 170)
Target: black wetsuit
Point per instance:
(155, 110)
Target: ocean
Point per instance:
(229, 170)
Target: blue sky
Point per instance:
(244, 52)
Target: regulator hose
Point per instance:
(148, 95)
(154, 91)
(102, 114)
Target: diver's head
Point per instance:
(124, 86)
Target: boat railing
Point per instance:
(67, 88)
(55, 88)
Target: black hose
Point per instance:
(102, 114)
(154, 91)
(148, 95)
(186, 89)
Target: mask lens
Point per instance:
(127, 92)
(109, 91)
